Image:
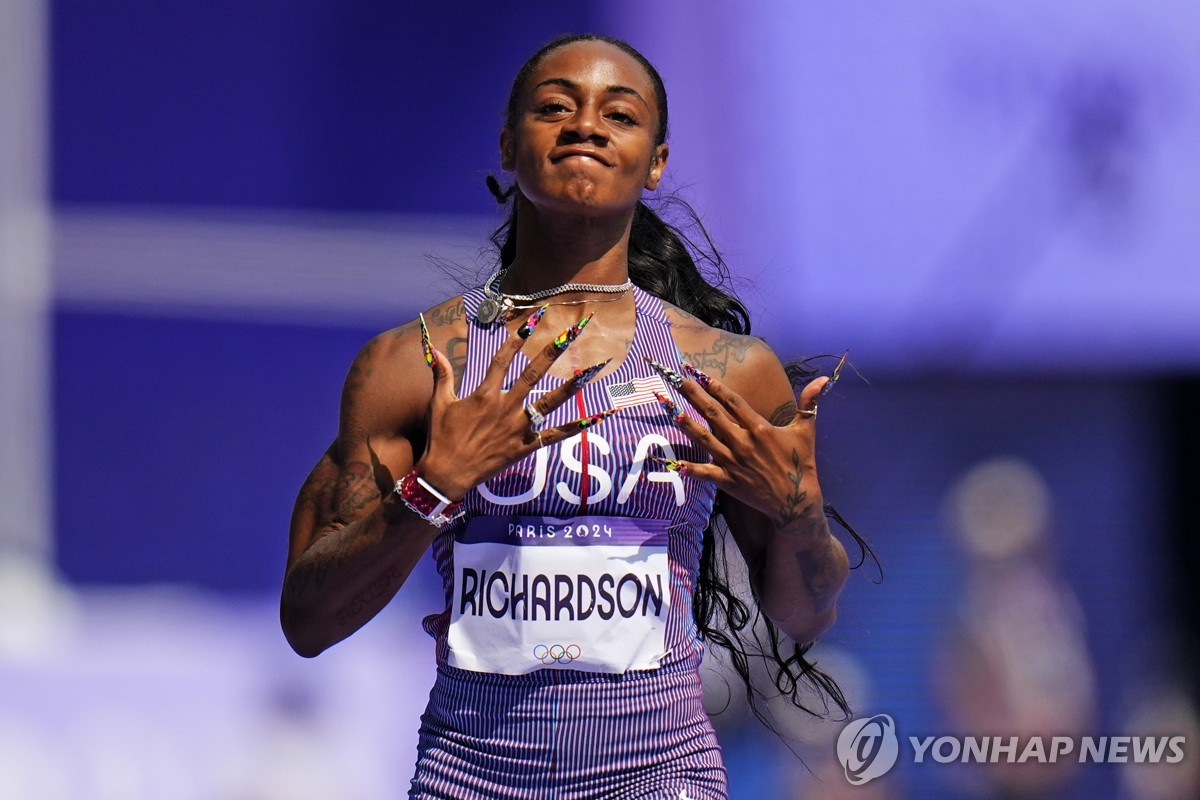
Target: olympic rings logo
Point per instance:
(549, 654)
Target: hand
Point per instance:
(475, 437)
(768, 467)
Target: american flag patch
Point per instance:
(637, 391)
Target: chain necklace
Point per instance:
(498, 304)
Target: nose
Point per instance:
(584, 124)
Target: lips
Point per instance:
(580, 153)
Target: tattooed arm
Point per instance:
(352, 544)
(770, 496)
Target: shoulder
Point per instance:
(389, 385)
(745, 363)
(730, 356)
(394, 347)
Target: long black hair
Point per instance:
(688, 272)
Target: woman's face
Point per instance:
(585, 131)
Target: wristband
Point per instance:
(427, 502)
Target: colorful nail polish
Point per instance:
(583, 376)
(670, 464)
(525, 330)
(588, 422)
(564, 339)
(426, 346)
(669, 375)
(674, 411)
(698, 376)
(837, 373)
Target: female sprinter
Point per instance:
(561, 437)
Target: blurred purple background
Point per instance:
(205, 209)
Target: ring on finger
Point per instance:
(536, 418)
(808, 412)
(539, 438)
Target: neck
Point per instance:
(554, 250)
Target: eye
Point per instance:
(552, 107)
(623, 117)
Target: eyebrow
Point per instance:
(615, 89)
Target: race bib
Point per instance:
(586, 593)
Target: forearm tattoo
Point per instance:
(816, 568)
(366, 603)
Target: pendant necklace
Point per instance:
(497, 304)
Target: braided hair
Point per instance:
(688, 272)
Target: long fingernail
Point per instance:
(582, 376)
(671, 464)
(698, 376)
(570, 334)
(588, 422)
(674, 411)
(525, 330)
(837, 373)
(426, 346)
(671, 376)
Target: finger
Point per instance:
(698, 433)
(724, 409)
(539, 364)
(704, 472)
(837, 373)
(443, 376)
(809, 396)
(561, 432)
(497, 371)
(724, 423)
(556, 397)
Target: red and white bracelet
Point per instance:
(427, 502)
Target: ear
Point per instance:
(507, 147)
(658, 162)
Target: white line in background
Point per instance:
(25, 413)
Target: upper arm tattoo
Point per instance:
(784, 414)
(726, 348)
(356, 492)
(456, 352)
(360, 372)
(318, 489)
(447, 315)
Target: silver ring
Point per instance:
(539, 437)
(807, 412)
(536, 418)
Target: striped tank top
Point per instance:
(599, 490)
(568, 655)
